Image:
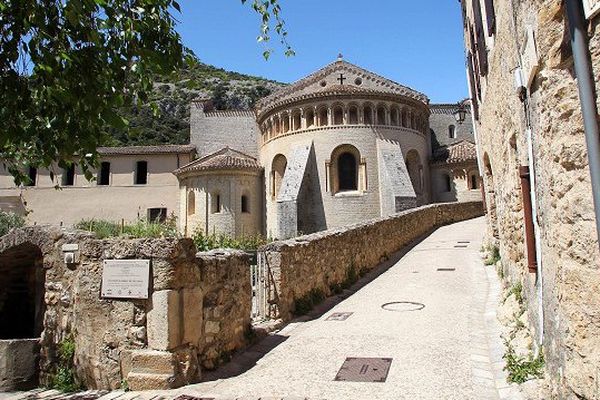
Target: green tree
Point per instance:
(67, 66)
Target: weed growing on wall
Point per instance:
(63, 378)
(521, 369)
(493, 256)
(306, 303)
(9, 220)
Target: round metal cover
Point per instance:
(403, 306)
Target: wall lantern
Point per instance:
(460, 113)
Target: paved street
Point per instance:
(441, 351)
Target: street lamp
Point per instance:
(460, 113)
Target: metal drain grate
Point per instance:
(188, 397)
(339, 316)
(403, 306)
(463, 241)
(357, 369)
(460, 246)
(446, 269)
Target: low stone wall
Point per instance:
(319, 264)
(197, 311)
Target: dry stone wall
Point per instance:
(317, 264)
(567, 306)
(198, 310)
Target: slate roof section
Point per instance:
(461, 152)
(141, 150)
(224, 159)
(290, 93)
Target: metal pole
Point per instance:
(585, 83)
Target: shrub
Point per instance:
(139, 229)
(10, 220)
(493, 256)
(205, 242)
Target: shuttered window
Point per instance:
(490, 16)
(480, 38)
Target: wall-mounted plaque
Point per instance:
(591, 7)
(126, 279)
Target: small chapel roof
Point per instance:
(299, 90)
(460, 152)
(224, 159)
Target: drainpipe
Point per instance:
(527, 210)
(585, 84)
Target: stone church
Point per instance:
(338, 147)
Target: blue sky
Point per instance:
(416, 43)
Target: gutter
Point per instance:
(585, 84)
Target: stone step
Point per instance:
(145, 381)
(153, 362)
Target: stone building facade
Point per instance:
(531, 145)
(338, 147)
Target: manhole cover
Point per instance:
(188, 397)
(357, 369)
(339, 316)
(403, 306)
(446, 269)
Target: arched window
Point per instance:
(347, 172)
(244, 204)
(451, 131)
(338, 116)
(310, 118)
(353, 115)
(404, 117)
(215, 203)
(296, 120)
(286, 123)
(323, 117)
(447, 182)
(368, 115)
(277, 172)
(191, 205)
(474, 182)
(381, 116)
(394, 116)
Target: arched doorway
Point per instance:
(21, 292)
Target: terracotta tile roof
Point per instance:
(463, 151)
(224, 159)
(230, 113)
(291, 92)
(161, 149)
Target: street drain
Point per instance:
(460, 246)
(188, 397)
(463, 241)
(357, 369)
(403, 306)
(339, 316)
(446, 269)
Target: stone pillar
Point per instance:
(302, 119)
(164, 320)
(329, 116)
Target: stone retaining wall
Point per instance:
(198, 310)
(318, 264)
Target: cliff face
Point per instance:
(172, 96)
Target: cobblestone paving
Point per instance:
(449, 349)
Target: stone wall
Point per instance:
(563, 313)
(321, 262)
(198, 310)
